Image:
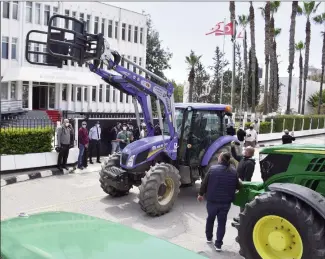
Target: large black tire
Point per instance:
(113, 160)
(159, 175)
(309, 224)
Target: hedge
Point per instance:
(24, 141)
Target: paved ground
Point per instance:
(184, 225)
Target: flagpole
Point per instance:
(222, 60)
(241, 94)
(233, 64)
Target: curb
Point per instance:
(43, 174)
(266, 145)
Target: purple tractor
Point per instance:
(192, 136)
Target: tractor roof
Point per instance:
(296, 148)
(202, 106)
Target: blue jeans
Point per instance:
(81, 153)
(220, 211)
(115, 147)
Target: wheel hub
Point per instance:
(275, 237)
(166, 191)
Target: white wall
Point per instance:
(19, 28)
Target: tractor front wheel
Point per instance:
(276, 226)
(159, 189)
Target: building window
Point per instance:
(64, 92)
(36, 56)
(29, 7)
(128, 64)
(14, 42)
(140, 64)
(6, 10)
(5, 47)
(72, 93)
(66, 22)
(81, 17)
(103, 26)
(122, 62)
(4, 91)
(38, 13)
(85, 94)
(88, 23)
(96, 25)
(121, 97)
(55, 11)
(79, 94)
(110, 29)
(129, 33)
(114, 95)
(44, 56)
(108, 89)
(123, 31)
(135, 61)
(135, 34)
(100, 93)
(13, 90)
(25, 94)
(15, 10)
(116, 30)
(30, 48)
(94, 94)
(141, 35)
(46, 14)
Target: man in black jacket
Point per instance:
(241, 134)
(286, 138)
(219, 186)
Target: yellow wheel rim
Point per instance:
(276, 238)
(168, 195)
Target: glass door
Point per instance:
(51, 96)
(43, 97)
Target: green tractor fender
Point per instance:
(309, 196)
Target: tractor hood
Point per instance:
(143, 150)
(62, 235)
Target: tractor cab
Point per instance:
(198, 126)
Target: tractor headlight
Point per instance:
(130, 161)
(263, 156)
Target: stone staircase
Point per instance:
(54, 115)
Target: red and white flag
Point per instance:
(221, 29)
(240, 35)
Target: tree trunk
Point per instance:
(267, 55)
(252, 29)
(275, 91)
(322, 77)
(246, 68)
(272, 66)
(301, 70)
(233, 20)
(291, 51)
(191, 86)
(308, 31)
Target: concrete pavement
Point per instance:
(81, 193)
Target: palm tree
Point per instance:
(232, 9)
(266, 14)
(291, 50)
(243, 22)
(253, 52)
(308, 8)
(192, 60)
(320, 19)
(274, 68)
(299, 47)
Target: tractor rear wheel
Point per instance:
(276, 225)
(159, 189)
(113, 160)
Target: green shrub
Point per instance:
(24, 141)
(314, 122)
(307, 120)
(265, 127)
(298, 123)
(321, 123)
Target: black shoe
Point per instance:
(98, 162)
(60, 168)
(236, 219)
(218, 248)
(65, 167)
(90, 162)
(81, 168)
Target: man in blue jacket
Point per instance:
(219, 187)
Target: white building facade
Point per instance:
(71, 87)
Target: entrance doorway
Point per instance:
(40, 94)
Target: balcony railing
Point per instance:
(11, 106)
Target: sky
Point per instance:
(182, 27)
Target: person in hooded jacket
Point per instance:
(241, 134)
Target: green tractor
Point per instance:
(284, 217)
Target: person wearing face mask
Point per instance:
(83, 143)
(114, 143)
(251, 137)
(64, 141)
(94, 141)
(124, 137)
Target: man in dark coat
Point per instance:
(219, 187)
(286, 138)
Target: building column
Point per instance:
(75, 93)
(69, 92)
(104, 97)
(19, 90)
(97, 97)
(59, 96)
(90, 97)
(30, 95)
(82, 97)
